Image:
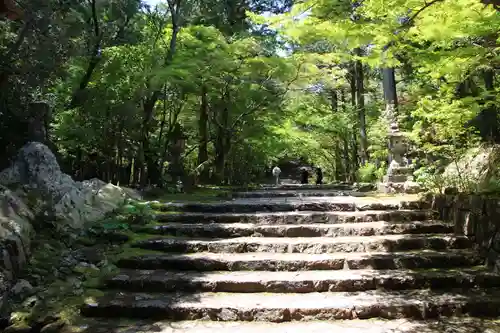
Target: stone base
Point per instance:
(395, 179)
(408, 187)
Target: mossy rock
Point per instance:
(18, 328)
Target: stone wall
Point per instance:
(475, 216)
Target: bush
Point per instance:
(369, 173)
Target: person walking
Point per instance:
(276, 174)
(319, 176)
(304, 176)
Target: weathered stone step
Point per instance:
(297, 230)
(450, 325)
(297, 193)
(301, 282)
(280, 307)
(298, 187)
(386, 243)
(321, 204)
(266, 261)
(301, 217)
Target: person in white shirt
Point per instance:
(276, 174)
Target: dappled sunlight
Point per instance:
(444, 325)
(156, 147)
(219, 266)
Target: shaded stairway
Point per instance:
(298, 259)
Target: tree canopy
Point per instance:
(219, 91)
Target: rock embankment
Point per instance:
(34, 192)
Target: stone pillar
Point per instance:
(38, 120)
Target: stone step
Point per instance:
(449, 325)
(301, 282)
(297, 193)
(298, 187)
(228, 230)
(386, 243)
(301, 217)
(281, 307)
(267, 261)
(322, 204)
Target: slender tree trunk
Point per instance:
(360, 107)
(334, 103)
(345, 142)
(163, 117)
(490, 113)
(203, 134)
(354, 150)
(220, 144)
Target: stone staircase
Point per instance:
(279, 259)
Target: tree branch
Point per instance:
(244, 114)
(408, 23)
(412, 18)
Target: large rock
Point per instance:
(475, 170)
(73, 203)
(16, 232)
(37, 186)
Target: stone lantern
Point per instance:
(399, 177)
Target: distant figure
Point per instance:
(276, 174)
(304, 176)
(319, 176)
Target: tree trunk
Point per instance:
(345, 142)
(220, 145)
(354, 150)
(203, 135)
(360, 107)
(334, 104)
(490, 114)
(149, 103)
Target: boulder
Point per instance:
(475, 169)
(33, 185)
(71, 202)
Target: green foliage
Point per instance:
(249, 88)
(369, 173)
(430, 179)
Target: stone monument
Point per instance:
(399, 177)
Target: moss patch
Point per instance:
(60, 289)
(68, 268)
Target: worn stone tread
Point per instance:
(298, 193)
(298, 230)
(303, 281)
(443, 325)
(299, 187)
(389, 243)
(279, 307)
(261, 261)
(300, 217)
(348, 203)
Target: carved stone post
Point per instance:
(38, 120)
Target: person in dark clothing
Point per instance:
(304, 176)
(319, 176)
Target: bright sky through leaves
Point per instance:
(153, 2)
